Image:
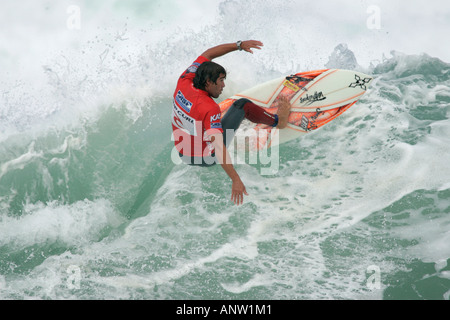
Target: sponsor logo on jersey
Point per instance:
(182, 121)
(183, 102)
(214, 118)
(216, 125)
(193, 68)
(215, 121)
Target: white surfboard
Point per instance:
(317, 97)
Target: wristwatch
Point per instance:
(238, 44)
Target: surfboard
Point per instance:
(317, 97)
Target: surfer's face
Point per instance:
(215, 89)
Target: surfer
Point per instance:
(201, 137)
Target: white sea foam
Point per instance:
(75, 224)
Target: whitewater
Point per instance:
(93, 207)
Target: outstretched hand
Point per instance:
(248, 45)
(237, 192)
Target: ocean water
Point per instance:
(92, 207)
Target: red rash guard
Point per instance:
(195, 116)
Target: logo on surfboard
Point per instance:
(309, 124)
(360, 82)
(295, 82)
(310, 98)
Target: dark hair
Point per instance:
(207, 71)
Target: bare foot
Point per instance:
(284, 109)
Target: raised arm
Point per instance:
(223, 49)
